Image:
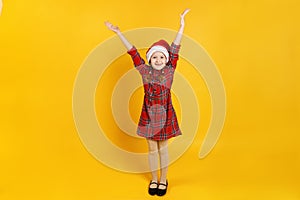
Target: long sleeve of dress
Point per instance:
(174, 49)
(139, 62)
(136, 58)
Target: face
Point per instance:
(158, 60)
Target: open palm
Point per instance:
(111, 27)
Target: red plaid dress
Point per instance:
(158, 119)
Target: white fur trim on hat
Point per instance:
(157, 48)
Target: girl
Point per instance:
(158, 121)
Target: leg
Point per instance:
(164, 160)
(153, 159)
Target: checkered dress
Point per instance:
(158, 119)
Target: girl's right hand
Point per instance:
(111, 27)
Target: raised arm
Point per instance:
(116, 29)
(178, 37)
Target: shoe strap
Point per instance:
(153, 182)
(163, 184)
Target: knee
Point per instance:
(163, 148)
(163, 151)
(152, 146)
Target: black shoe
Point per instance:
(162, 192)
(153, 191)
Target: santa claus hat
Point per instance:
(161, 46)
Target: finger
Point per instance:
(108, 24)
(185, 12)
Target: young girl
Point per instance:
(158, 121)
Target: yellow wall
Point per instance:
(255, 45)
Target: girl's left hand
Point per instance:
(183, 15)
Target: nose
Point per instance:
(159, 60)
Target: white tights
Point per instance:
(158, 148)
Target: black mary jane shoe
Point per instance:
(153, 191)
(162, 192)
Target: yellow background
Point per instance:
(255, 45)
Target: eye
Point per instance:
(154, 57)
(162, 57)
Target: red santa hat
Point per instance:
(161, 46)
